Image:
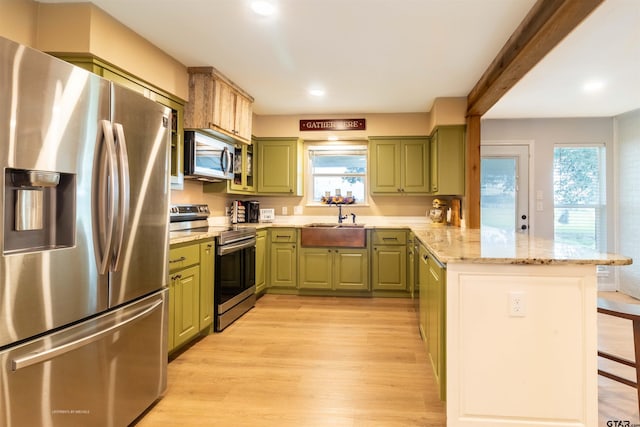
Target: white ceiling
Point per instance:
(391, 56)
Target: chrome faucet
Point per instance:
(340, 217)
(353, 217)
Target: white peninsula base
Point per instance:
(521, 345)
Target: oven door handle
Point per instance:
(227, 249)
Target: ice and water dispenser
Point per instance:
(39, 210)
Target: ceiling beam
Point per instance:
(546, 24)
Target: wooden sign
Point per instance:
(333, 124)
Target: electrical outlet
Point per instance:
(297, 210)
(517, 304)
(285, 211)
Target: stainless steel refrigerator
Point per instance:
(84, 243)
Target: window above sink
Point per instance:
(338, 172)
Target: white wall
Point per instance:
(627, 128)
(544, 133)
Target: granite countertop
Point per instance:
(453, 244)
(493, 246)
(176, 237)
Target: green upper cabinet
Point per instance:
(384, 169)
(280, 166)
(243, 181)
(447, 158)
(177, 106)
(399, 165)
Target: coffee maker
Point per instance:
(252, 211)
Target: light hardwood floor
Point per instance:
(306, 361)
(316, 361)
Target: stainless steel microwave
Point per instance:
(206, 157)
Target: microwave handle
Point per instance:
(226, 154)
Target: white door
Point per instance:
(504, 187)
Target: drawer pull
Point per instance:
(182, 258)
(390, 238)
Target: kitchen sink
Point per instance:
(333, 225)
(333, 235)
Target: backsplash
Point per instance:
(397, 206)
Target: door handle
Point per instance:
(123, 190)
(43, 356)
(106, 200)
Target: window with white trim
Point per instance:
(338, 169)
(579, 195)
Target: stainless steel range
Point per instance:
(234, 287)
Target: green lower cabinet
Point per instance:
(334, 269)
(423, 279)
(282, 272)
(185, 295)
(316, 268)
(261, 261)
(207, 265)
(390, 268)
(171, 344)
(436, 324)
(351, 269)
(432, 314)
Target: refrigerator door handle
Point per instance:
(39, 357)
(123, 191)
(106, 200)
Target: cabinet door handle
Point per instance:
(182, 258)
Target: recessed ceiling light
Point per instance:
(317, 92)
(593, 86)
(263, 8)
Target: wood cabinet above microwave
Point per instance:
(217, 104)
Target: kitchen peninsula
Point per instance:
(521, 327)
